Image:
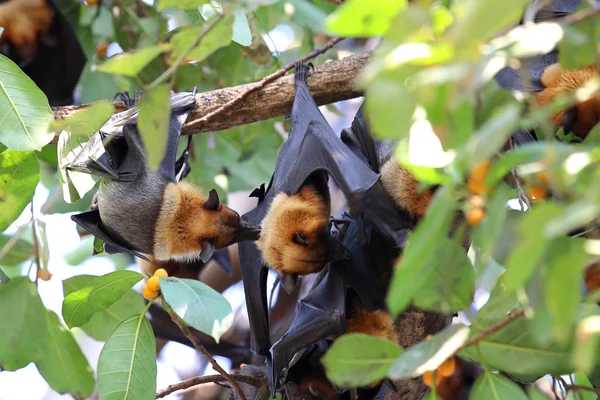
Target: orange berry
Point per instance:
(91, 2)
(101, 49)
(542, 177)
(476, 182)
(475, 216)
(428, 378)
(538, 192)
(428, 337)
(161, 273)
(153, 283)
(149, 294)
(447, 367)
(44, 274)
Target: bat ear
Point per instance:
(299, 239)
(208, 249)
(212, 203)
(288, 281)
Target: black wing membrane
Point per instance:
(311, 146)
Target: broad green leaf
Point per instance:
(182, 5)
(79, 307)
(127, 362)
(86, 121)
(198, 305)
(353, 19)
(102, 23)
(44, 250)
(241, 33)
(585, 351)
(132, 62)
(48, 154)
(515, 350)
(491, 386)
(19, 176)
(103, 322)
(566, 259)
(359, 359)
(532, 244)
(153, 123)
(219, 36)
(430, 353)
(307, 13)
(20, 250)
(578, 47)
(477, 20)
(452, 284)
(24, 108)
(419, 257)
(36, 335)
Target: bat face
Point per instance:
(295, 237)
(191, 226)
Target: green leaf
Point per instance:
(127, 362)
(79, 307)
(354, 19)
(358, 360)
(532, 244)
(20, 250)
(219, 36)
(19, 176)
(566, 259)
(429, 354)
(86, 121)
(36, 335)
(132, 62)
(103, 322)
(153, 123)
(514, 349)
(181, 4)
(585, 351)
(241, 33)
(25, 110)
(497, 387)
(198, 305)
(415, 267)
(48, 154)
(452, 284)
(578, 46)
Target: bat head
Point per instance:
(191, 226)
(295, 236)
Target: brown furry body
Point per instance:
(559, 81)
(23, 21)
(404, 189)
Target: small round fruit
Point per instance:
(475, 216)
(91, 2)
(161, 273)
(542, 177)
(447, 367)
(428, 378)
(44, 274)
(153, 283)
(101, 49)
(538, 192)
(149, 294)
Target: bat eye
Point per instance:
(299, 239)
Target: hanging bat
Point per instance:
(544, 76)
(39, 39)
(137, 210)
(312, 148)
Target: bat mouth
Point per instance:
(246, 231)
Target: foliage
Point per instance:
(429, 85)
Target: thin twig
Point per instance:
(204, 352)
(12, 241)
(199, 380)
(572, 388)
(36, 247)
(522, 197)
(165, 75)
(495, 328)
(264, 81)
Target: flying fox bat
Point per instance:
(312, 147)
(39, 39)
(137, 210)
(544, 77)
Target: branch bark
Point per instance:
(329, 83)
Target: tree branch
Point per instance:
(199, 380)
(495, 328)
(329, 83)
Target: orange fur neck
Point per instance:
(404, 189)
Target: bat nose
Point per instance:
(246, 231)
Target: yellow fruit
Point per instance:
(101, 49)
(542, 177)
(475, 216)
(153, 284)
(447, 367)
(44, 274)
(538, 192)
(476, 182)
(428, 378)
(91, 2)
(161, 273)
(149, 294)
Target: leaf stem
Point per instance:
(199, 380)
(171, 70)
(203, 351)
(494, 328)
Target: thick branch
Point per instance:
(329, 83)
